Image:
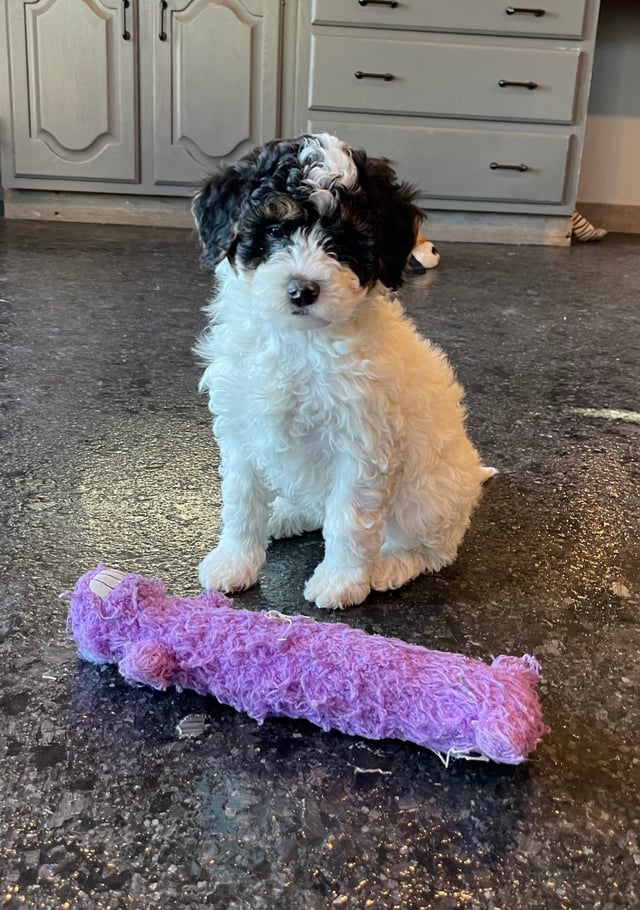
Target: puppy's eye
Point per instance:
(276, 231)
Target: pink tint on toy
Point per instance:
(337, 677)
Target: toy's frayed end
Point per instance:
(513, 742)
(447, 757)
(526, 667)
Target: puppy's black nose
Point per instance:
(303, 293)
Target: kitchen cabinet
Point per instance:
(135, 96)
(481, 104)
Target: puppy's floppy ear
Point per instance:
(216, 210)
(396, 220)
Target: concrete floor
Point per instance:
(107, 455)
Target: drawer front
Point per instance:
(442, 80)
(559, 19)
(456, 163)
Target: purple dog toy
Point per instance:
(268, 664)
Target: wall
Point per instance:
(611, 160)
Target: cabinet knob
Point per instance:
(524, 11)
(505, 83)
(390, 3)
(508, 167)
(162, 35)
(386, 76)
(126, 34)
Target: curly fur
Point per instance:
(330, 411)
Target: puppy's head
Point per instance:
(311, 224)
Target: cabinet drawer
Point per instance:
(456, 163)
(442, 80)
(560, 18)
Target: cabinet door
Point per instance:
(73, 81)
(215, 83)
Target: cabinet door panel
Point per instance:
(215, 84)
(74, 90)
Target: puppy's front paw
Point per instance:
(335, 588)
(225, 570)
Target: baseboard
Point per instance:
(621, 219)
(97, 208)
(163, 211)
(488, 227)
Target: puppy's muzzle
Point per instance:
(302, 293)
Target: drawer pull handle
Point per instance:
(390, 3)
(524, 11)
(162, 35)
(126, 34)
(508, 167)
(504, 83)
(386, 76)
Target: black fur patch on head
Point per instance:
(227, 198)
(267, 226)
(250, 210)
(390, 209)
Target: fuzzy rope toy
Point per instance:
(269, 665)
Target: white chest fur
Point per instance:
(290, 401)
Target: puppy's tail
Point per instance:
(488, 473)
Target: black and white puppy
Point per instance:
(330, 411)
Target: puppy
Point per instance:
(330, 411)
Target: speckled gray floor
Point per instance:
(107, 455)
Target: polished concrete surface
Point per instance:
(106, 455)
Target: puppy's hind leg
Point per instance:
(392, 570)
(401, 559)
(289, 518)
